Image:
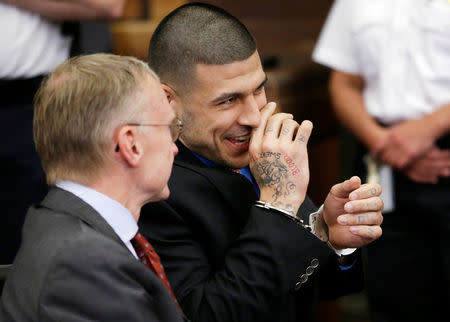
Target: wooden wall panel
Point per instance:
(282, 27)
(132, 33)
(159, 9)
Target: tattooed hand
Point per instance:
(352, 212)
(279, 159)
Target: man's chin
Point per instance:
(163, 195)
(238, 162)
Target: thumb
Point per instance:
(343, 189)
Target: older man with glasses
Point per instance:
(82, 257)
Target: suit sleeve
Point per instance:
(91, 280)
(265, 261)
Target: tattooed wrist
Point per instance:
(268, 205)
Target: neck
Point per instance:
(117, 187)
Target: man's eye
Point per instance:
(259, 90)
(228, 101)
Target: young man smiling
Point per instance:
(239, 238)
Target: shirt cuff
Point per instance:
(318, 226)
(342, 252)
(320, 229)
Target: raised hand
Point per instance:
(279, 159)
(353, 213)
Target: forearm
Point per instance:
(72, 9)
(439, 121)
(228, 277)
(347, 100)
(261, 266)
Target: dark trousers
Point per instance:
(23, 180)
(408, 268)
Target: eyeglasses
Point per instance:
(176, 127)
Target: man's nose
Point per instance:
(251, 115)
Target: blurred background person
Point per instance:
(390, 86)
(34, 40)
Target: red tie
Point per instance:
(147, 255)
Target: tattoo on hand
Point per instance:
(295, 170)
(290, 188)
(271, 172)
(302, 138)
(276, 155)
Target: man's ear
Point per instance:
(171, 95)
(173, 98)
(128, 146)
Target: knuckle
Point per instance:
(373, 231)
(335, 188)
(378, 188)
(361, 219)
(380, 203)
(281, 116)
(290, 123)
(379, 232)
(267, 146)
(285, 150)
(252, 151)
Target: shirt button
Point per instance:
(298, 285)
(315, 263)
(309, 271)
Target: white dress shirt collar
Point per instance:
(115, 214)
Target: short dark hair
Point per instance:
(196, 33)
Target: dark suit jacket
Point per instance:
(72, 266)
(228, 260)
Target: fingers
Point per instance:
(258, 132)
(291, 130)
(342, 190)
(278, 132)
(366, 191)
(367, 232)
(288, 128)
(275, 123)
(367, 218)
(364, 205)
(396, 158)
(304, 131)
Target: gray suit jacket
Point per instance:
(72, 266)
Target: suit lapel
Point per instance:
(65, 202)
(237, 190)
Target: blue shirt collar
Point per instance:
(244, 171)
